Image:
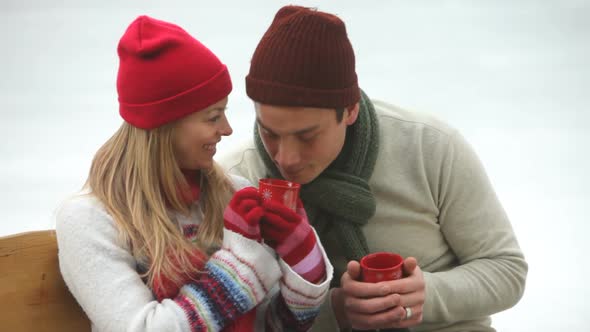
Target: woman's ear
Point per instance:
(352, 113)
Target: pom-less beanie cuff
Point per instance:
(157, 113)
(274, 93)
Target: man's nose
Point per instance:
(287, 154)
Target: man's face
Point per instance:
(302, 141)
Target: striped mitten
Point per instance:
(244, 212)
(291, 236)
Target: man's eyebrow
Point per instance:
(297, 132)
(264, 127)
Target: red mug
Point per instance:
(381, 266)
(282, 191)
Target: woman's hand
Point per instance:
(243, 214)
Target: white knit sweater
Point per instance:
(102, 275)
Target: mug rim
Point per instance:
(279, 183)
(381, 253)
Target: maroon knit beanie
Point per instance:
(304, 59)
(165, 74)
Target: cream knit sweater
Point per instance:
(435, 203)
(102, 275)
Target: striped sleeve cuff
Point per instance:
(302, 297)
(238, 277)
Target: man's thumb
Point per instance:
(410, 264)
(354, 270)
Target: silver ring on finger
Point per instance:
(408, 312)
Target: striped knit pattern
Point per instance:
(290, 308)
(230, 287)
(296, 306)
(307, 259)
(304, 307)
(287, 318)
(296, 242)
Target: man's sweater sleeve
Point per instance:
(491, 272)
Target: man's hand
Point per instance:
(380, 305)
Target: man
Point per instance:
(377, 178)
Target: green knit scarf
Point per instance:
(340, 199)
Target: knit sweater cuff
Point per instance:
(239, 276)
(250, 259)
(308, 294)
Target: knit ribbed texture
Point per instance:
(226, 294)
(291, 307)
(231, 286)
(228, 289)
(300, 320)
(304, 59)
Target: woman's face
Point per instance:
(195, 136)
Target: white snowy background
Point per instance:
(513, 76)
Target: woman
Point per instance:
(145, 248)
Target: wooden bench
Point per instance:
(33, 295)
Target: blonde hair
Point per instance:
(136, 176)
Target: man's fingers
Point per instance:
(409, 284)
(360, 289)
(381, 320)
(382, 305)
(412, 299)
(413, 321)
(371, 305)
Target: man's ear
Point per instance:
(352, 113)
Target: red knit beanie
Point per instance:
(304, 59)
(165, 74)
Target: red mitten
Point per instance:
(165, 288)
(244, 212)
(291, 236)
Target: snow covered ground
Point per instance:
(513, 76)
